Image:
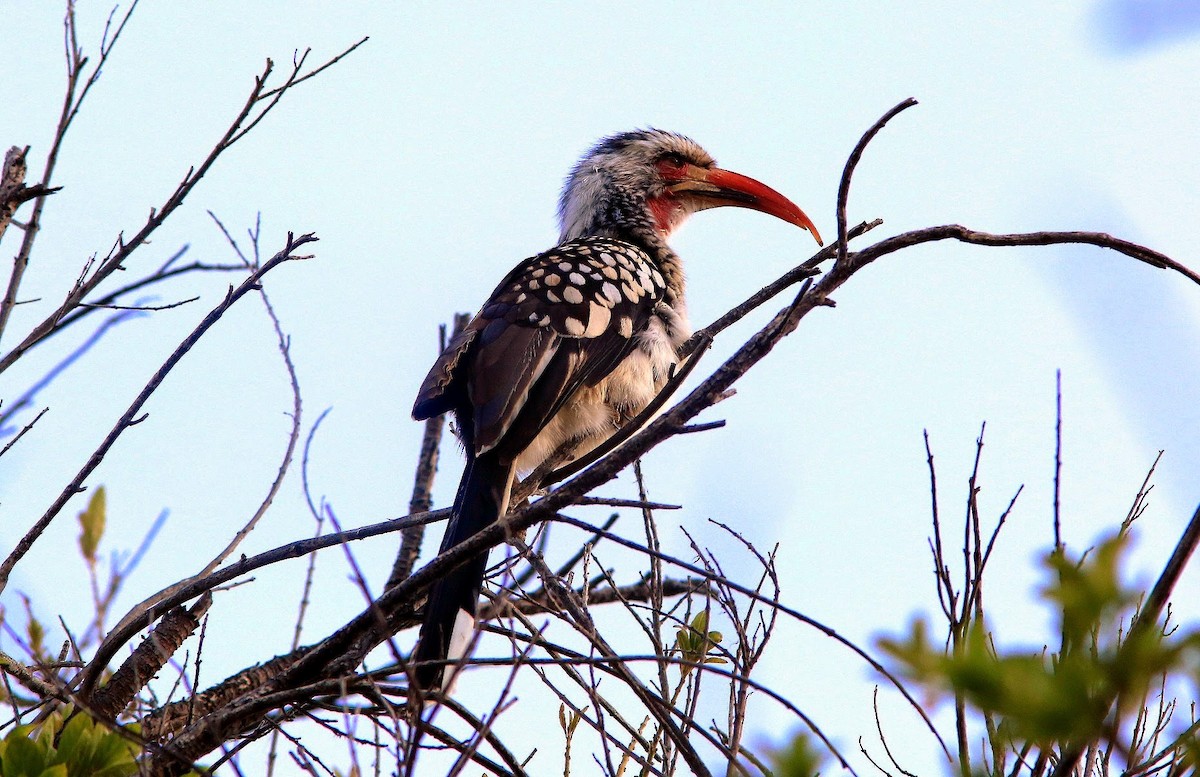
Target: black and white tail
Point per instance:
(449, 625)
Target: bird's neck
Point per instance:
(615, 218)
(654, 243)
(671, 267)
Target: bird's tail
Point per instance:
(449, 623)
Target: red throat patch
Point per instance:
(665, 208)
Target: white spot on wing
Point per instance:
(572, 294)
(598, 318)
(574, 326)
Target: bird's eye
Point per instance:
(674, 160)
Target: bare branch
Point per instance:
(24, 429)
(13, 191)
(131, 623)
(127, 419)
(250, 114)
(848, 173)
(31, 393)
(963, 234)
(147, 659)
(75, 64)
(427, 461)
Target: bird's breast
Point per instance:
(597, 411)
(642, 374)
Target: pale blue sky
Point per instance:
(430, 161)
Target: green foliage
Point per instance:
(798, 759)
(1050, 698)
(35, 632)
(91, 522)
(1087, 594)
(82, 748)
(696, 644)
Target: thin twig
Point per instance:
(1147, 619)
(24, 429)
(70, 108)
(427, 463)
(245, 119)
(966, 235)
(127, 418)
(848, 172)
(1058, 543)
(130, 624)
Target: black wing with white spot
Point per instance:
(560, 320)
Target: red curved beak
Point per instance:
(713, 187)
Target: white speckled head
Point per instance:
(613, 183)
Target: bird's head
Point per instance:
(644, 184)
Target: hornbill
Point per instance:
(571, 345)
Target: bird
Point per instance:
(572, 344)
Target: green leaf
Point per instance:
(58, 770)
(1051, 698)
(1087, 592)
(798, 759)
(47, 732)
(696, 644)
(36, 635)
(91, 521)
(23, 757)
(77, 745)
(90, 748)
